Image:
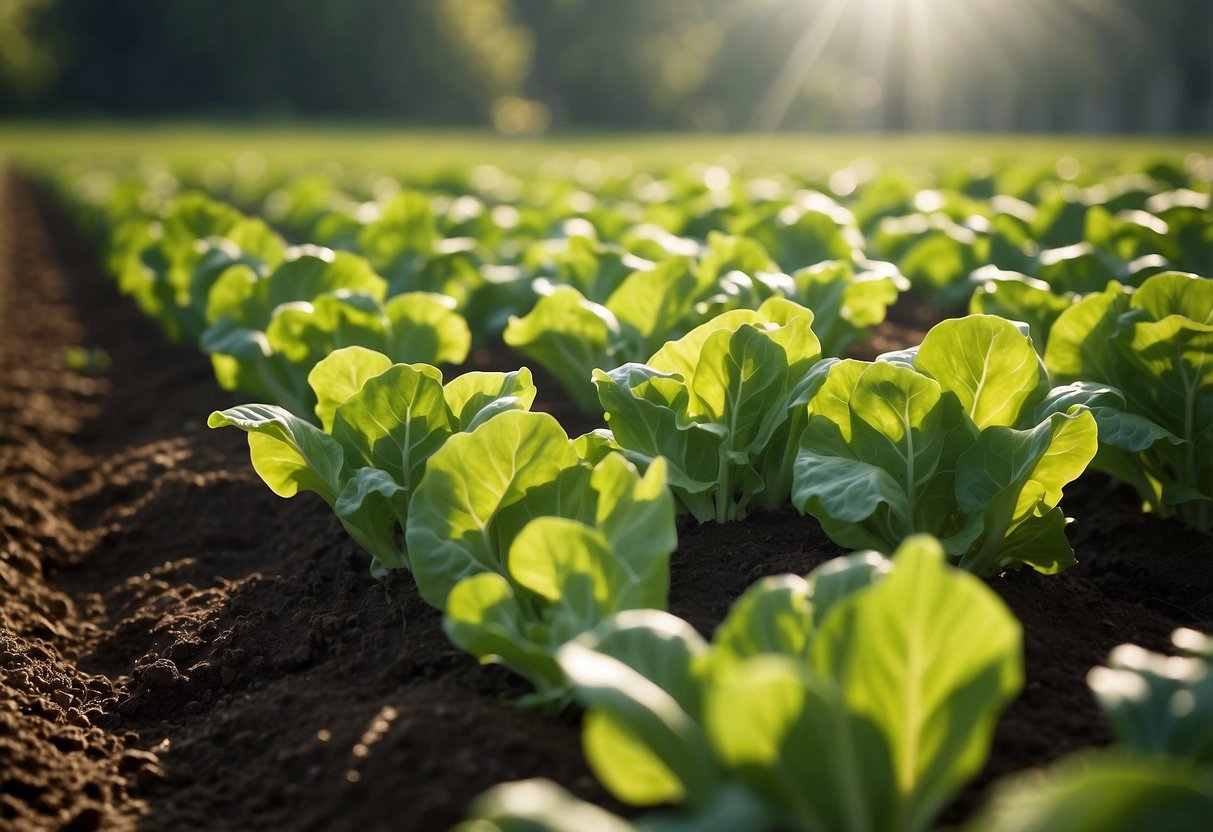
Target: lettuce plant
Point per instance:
(1157, 776)
(526, 544)
(1017, 297)
(1084, 268)
(961, 438)
(616, 316)
(1155, 345)
(380, 423)
(405, 244)
(1160, 704)
(859, 698)
(847, 295)
(269, 329)
(724, 405)
(401, 237)
(937, 254)
(571, 335)
(1100, 793)
(175, 260)
(560, 578)
(810, 229)
(593, 268)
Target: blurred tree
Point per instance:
(623, 62)
(444, 60)
(27, 66)
(1120, 65)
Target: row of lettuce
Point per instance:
(603, 275)
(267, 313)
(550, 554)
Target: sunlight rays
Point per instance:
(808, 49)
(921, 52)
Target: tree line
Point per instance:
(1098, 65)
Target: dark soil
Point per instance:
(180, 649)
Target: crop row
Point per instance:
(600, 276)
(550, 554)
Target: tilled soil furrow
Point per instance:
(227, 650)
(58, 768)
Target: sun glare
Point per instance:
(910, 54)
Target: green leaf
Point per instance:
(570, 337)
(987, 363)
(730, 808)
(373, 508)
(738, 376)
(839, 578)
(469, 480)
(651, 304)
(644, 409)
(341, 374)
(625, 764)
(1015, 479)
(1155, 346)
(1118, 428)
(876, 458)
(596, 445)
(571, 564)
(240, 342)
(660, 647)
(681, 357)
(184, 253)
(1079, 338)
(405, 227)
(1173, 293)
(846, 304)
(646, 724)
(636, 515)
(424, 327)
(305, 274)
(1020, 298)
(662, 650)
(288, 453)
(787, 735)
(395, 422)
(563, 578)
(1157, 704)
(303, 332)
(724, 253)
(721, 405)
(927, 658)
(484, 618)
(774, 615)
(1102, 793)
(478, 396)
(230, 292)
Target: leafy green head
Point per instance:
(1155, 346)
(960, 438)
(722, 404)
(380, 424)
(860, 697)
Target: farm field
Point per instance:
(391, 149)
(179, 644)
